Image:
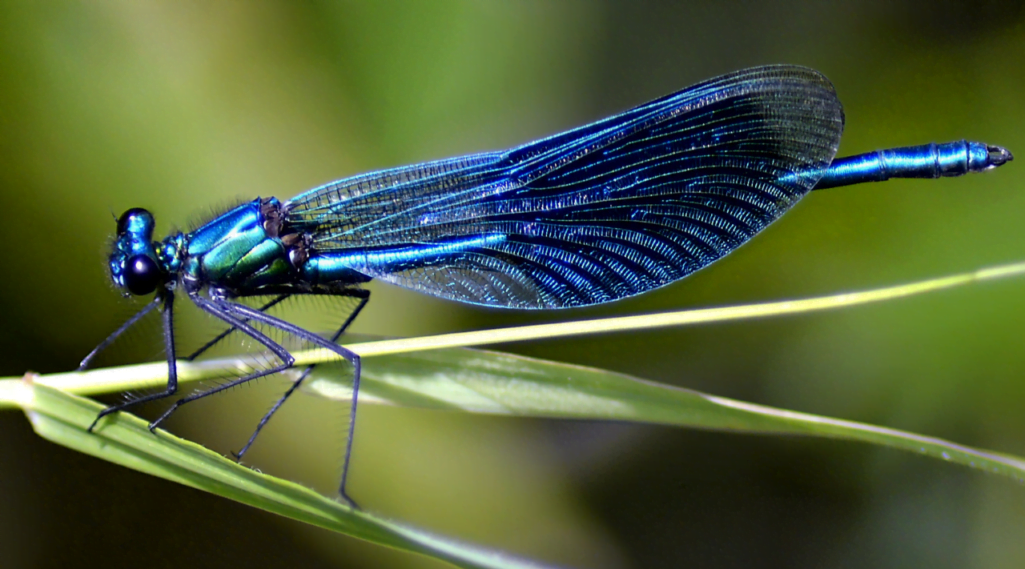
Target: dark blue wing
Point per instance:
(601, 212)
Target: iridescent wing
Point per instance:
(599, 213)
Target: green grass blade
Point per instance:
(490, 382)
(151, 375)
(123, 439)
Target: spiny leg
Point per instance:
(348, 355)
(219, 310)
(172, 367)
(364, 296)
(231, 329)
(120, 330)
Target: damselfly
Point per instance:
(599, 213)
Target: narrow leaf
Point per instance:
(124, 439)
(496, 383)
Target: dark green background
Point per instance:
(183, 107)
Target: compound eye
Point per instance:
(127, 217)
(142, 275)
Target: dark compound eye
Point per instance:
(142, 275)
(126, 218)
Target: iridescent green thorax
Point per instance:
(242, 251)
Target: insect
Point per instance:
(599, 213)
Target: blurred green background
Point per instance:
(181, 107)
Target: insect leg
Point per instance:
(219, 310)
(364, 296)
(348, 355)
(120, 330)
(231, 329)
(172, 366)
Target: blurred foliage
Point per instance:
(183, 107)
